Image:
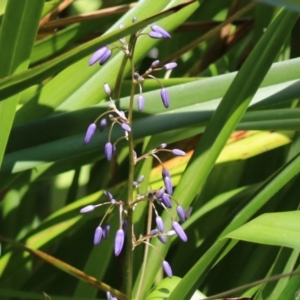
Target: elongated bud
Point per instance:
(90, 132)
(140, 102)
(162, 146)
(178, 152)
(126, 127)
(155, 35)
(108, 195)
(105, 232)
(160, 224)
(167, 268)
(87, 209)
(107, 89)
(98, 55)
(168, 185)
(170, 66)
(161, 31)
(97, 235)
(109, 150)
(155, 64)
(162, 239)
(165, 172)
(171, 233)
(102, 124)
(119, 241)
(105, 57)
(160, 193)
(154, 232)
(166, 200)
(180, 232)
(181, 213)
(165, 97)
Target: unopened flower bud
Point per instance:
(140, 102)
(107, 89)
(105, 57)
(126, 127)
(170, 66)
(154, 232)
(155, 64)
(165, 97)
(155, 35)
(181, 213)
(162, 146)
(102, 124)
(178, 152)
(168, 185)
(89, 133)
(98, 55)
(97, 235)
(162, 239)
(119, 241)
(108, 195)
(160, 192)
(165, 172)
(160, 224)
(105, 232)
(166, 200)
(167, 269)
(180, 232)
(109, 150)
(161, 31)
(87, 209)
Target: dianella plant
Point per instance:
(149, 149)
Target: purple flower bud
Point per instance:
(160, 224)
(124, 225)
(162, 238)
(167, 269)
(119, 241)
(170, 66)
(89, 133)
(161, 31)
(178, 152)
(98, 55)
(154, 232)
(168, 185)
(102, 124)
(113, 201)
(97, 235)
(108, 195)
(126, 127)
(165, 172)
(155, 64)
(107, 89)
(141, 179)
(166, 200)
(87, 209)
(155, 35)
(105, 57)
(165, 97)
(141, 102)
(180, 232)
(105, 232)
(108, 296)
(109, 151)
(160, 192)
(181, 213)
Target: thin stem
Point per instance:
(149, 221)
(117, 92)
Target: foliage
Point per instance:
(233, 110)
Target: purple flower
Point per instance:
(98, 55)
(107, 89)
(181, 213)
(165, 97)
(141, 102)
(105, 232)
(155, 64)
(160, 223)
(89, 133)
(166, 200)
(119, 241)
(102, 124)
(170, 66)
(167, 269)
(105, 57)
(161, 31)
(126, 127)
(155, 35)
(168, 185)
(87, 209)
(180, 232)
(162, 238)
(178, 152)
(154, 232)
(109, 151)
(97, 235)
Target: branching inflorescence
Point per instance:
(156, 198)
